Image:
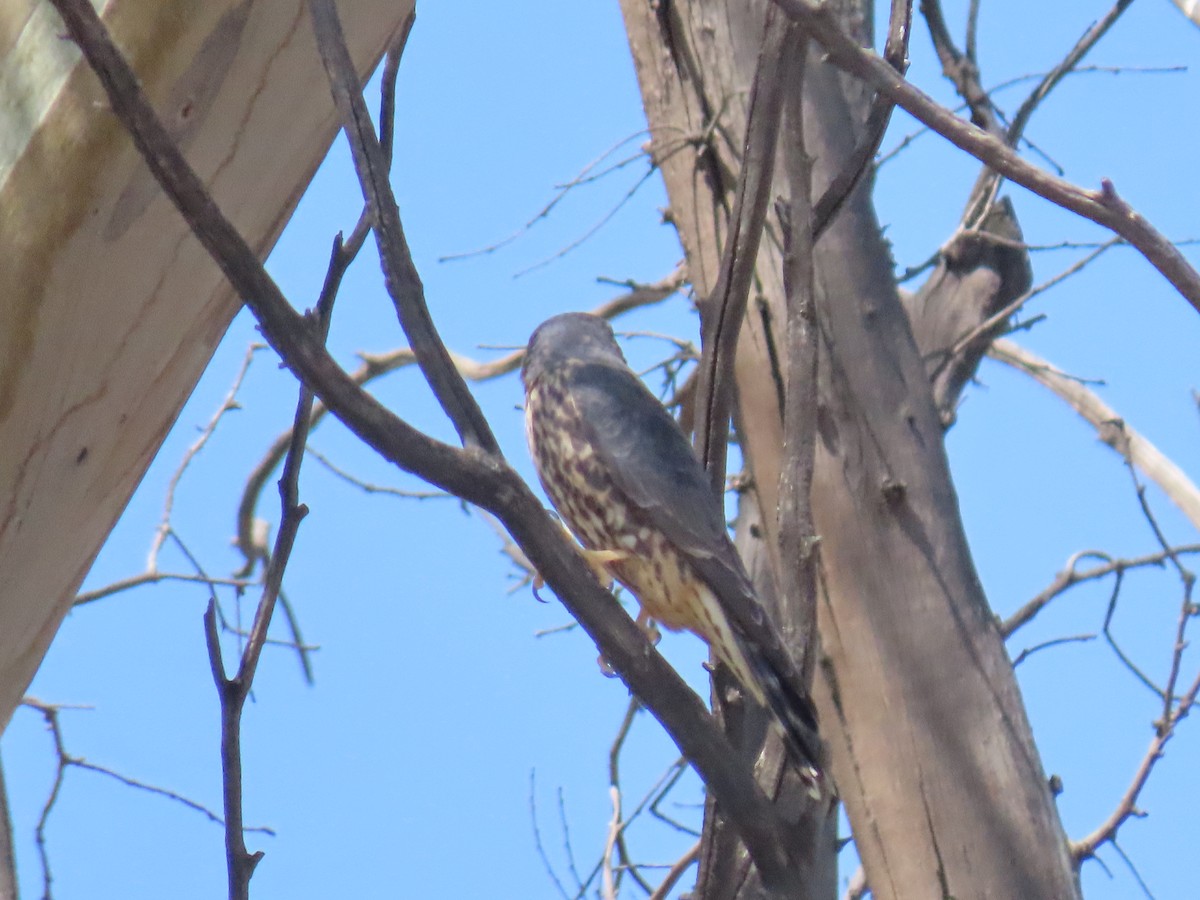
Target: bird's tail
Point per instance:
(792, 709)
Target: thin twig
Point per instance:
(1127, 806)
(1187, 609)
(614, 779)
(906, 141)
(228, 404)
(1054, 642)
(1109, 613)
(1074, 56)
(586, 175)
(537, 837)
(595, 227)
(608, 887)
(145, 578)
(676, 872)
(1071, 576)
(368, 487)
(64, 760)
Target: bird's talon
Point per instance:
(648, 627)
(606, 668)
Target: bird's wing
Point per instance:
(647, 456)
(653, 465)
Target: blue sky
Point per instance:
(439, 719)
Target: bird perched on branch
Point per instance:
(623, 476)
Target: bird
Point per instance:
(624, 479)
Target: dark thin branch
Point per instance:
(596, 226)
(1053, 642)
(1126, 807)
(1071, 576)
(567, 848)
(912, 136)
(234, 691)
(400, 274)
(537, 838)
(145, 578)
(345, 252)
(796, 531)
(588, 174)
(64, 760)
(972, 44)
(961, 69)
(722, 313)
(988, 184)
(1133, 870)
(676, 872)
(477, 477)
(1109, 614)
(1103, 206)
(1187, 609)
(1073, 58)
(861, 160)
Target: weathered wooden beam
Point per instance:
(109, 309)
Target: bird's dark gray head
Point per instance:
(570, 337)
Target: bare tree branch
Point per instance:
(400, 274)
(722, 313)
(64, 760)
(676, 872)
(1103, 206)
(228, 404)
(1126, 807)
(895, 51)
(961, 69)
(1110, 427)
(1082, 47)
(1071, 575)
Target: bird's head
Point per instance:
(570, 338)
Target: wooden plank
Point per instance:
(109, 309)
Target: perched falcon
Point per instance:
(623, 476)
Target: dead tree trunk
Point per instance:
(932, 751)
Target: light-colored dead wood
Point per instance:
(109, 309)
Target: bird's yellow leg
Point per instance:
(597, 560)
(646, 622)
